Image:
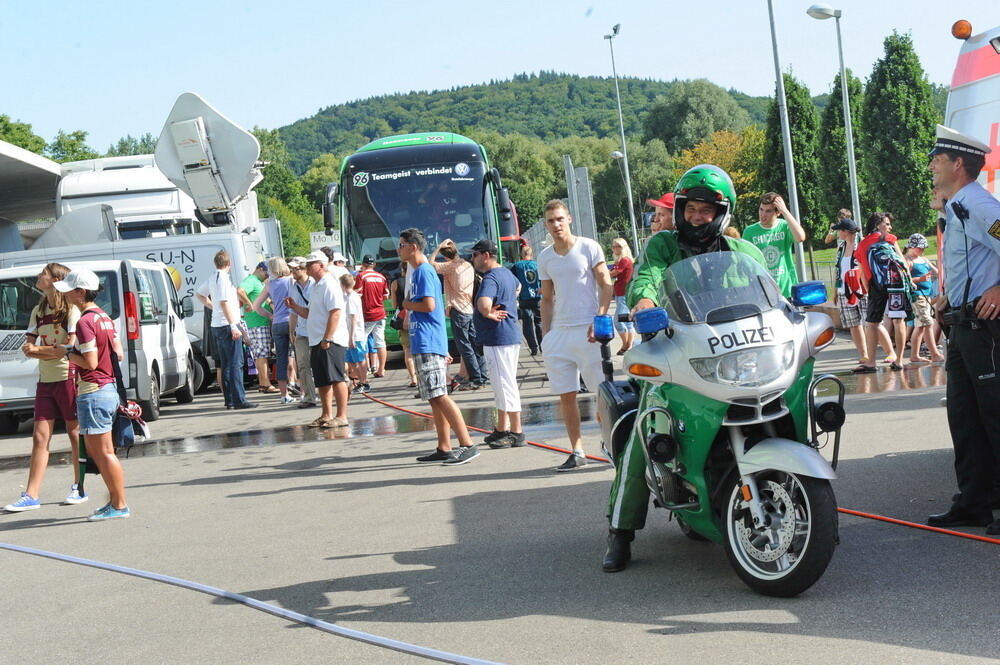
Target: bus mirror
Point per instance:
(504, 204)
(329, 219)
(495, 177)
(331, 193)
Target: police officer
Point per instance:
(972, 295)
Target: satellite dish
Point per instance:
(207, 155)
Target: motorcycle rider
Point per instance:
(704, 204)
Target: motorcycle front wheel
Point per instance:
(789, 552)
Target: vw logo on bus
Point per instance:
(462, 169)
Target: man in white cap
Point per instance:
(328, 340)
(970, 308)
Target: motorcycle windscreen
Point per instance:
(717, 287)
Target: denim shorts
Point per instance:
(96, 411)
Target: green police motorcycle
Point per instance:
(722, 405)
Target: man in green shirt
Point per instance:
(775, 236)
(258, 326)
(704, 203)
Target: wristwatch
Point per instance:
(328, 341)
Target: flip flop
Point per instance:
(319, 422)
(890, 361)
(335, 423)
(895, 367)
(864, 369)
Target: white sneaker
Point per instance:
(74, 497)
(288, 399)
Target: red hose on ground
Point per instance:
(846, 511)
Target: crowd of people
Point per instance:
(324, 326)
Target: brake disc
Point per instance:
(781, 529)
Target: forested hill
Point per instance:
(546, 105)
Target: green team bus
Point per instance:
(439, 182)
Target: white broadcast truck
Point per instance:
(177, 207)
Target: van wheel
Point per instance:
(151, 408)
(185, 394)
(9, 424)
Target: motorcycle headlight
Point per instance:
(747, 368)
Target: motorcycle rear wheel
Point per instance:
(789, 554)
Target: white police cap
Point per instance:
(948, 139)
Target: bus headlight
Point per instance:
(747, 368)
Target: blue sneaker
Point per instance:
(26, 502)
(109, 512)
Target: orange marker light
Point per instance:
(825, 337)
(745, 491)
(961, 29)
(643, 370)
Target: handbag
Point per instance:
(128, 422)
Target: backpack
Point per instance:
(890, 271)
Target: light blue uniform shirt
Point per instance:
(972, 249)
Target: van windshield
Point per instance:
(18, 296)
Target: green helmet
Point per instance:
(710, 184)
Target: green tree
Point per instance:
(651, 170)
(280, 195)
(70, 147)
(20, 134)
(525, 167)
(898, 129)
(690, 111)
(835, 181)
(321, 172)
(803, 122)
(130, 145)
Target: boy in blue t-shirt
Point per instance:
(429, 347)
(495, 319)
(526, 271)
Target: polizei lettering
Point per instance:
(745, 337)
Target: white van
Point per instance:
(141, 299)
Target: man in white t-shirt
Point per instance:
(328, 340)
(220, 295)
(576, 287)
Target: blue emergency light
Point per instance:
(809, 294)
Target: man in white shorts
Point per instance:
(576, 287)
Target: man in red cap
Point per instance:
(663, 213)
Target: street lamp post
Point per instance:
(822, 12)
(621, 125)
(786, 136)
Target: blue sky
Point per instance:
(114, 68)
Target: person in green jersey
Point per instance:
(775, 236)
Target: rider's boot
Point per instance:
(619, 549)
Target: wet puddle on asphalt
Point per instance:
(541, 420)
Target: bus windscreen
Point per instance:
(444, 200)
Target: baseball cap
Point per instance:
(337, 256)
(846, 224)
(262, 265)
(917, 240)
(296, 262)
(78, 279)
(319, 256)
(368, 260)
(665, 201)
(485, 245)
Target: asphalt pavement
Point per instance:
(497, 559)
